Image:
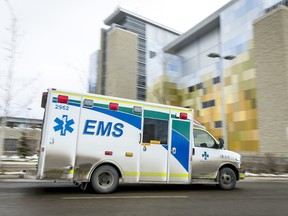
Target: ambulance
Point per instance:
(100, 141)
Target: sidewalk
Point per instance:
(265, 177)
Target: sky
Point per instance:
(55, 39)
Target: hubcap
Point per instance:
(105, 179)
(226, 179)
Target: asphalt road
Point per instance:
(42, 198)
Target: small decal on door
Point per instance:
(205, 155)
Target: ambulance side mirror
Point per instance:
(221, 143)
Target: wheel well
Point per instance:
(231, 167)
(109, 164)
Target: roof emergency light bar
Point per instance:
(182, 115)
(62, 99)
(113, 106)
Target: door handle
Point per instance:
(173, 151)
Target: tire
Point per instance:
(105, 179)
(227, 179)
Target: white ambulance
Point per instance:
(103, 141)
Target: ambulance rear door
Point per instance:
(59, 135)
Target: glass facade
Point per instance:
(201, 86)
(240, 78)
(163, 70)
(189, 78)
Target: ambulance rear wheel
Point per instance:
(105, 179)
(227, 179)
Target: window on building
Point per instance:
(10, 145)
(141, 93)
(155, 131)
(191, 89)
(141, 82)
(218, 124)
(152, 54)
(216, 80)
(208, 104)
(199, 86)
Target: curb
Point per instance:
(284, 175)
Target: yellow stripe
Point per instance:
(179, 175)
(131, 173)
(157, 174)
(66, 93)
(153, 174)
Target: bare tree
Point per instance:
(11, 48)
(6, 88)
(8, 91)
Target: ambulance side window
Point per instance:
(203, 139)
(155, 131)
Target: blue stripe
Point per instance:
(69, 103)
(74, 104)
(182, 145)
(133, 120)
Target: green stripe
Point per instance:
(128, 110)
(156, 115)
(101, 105)
(74, 101)
(182, 127)
(69, 100)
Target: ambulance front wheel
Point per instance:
(105, 179)
(227, 179)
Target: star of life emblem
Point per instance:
(64, 125)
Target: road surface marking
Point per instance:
(126, 197)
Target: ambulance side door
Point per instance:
(154, 146)
(179, 157)
(206, 155)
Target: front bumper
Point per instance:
(241, 173)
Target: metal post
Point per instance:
(223, 110)
(222, 80)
